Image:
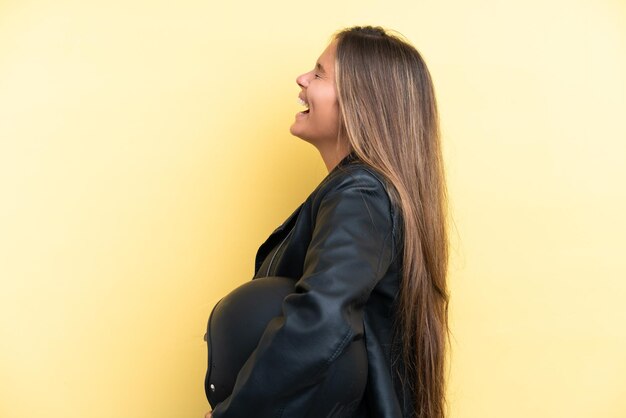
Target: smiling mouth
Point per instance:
(303, 103)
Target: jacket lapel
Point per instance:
(275, 237)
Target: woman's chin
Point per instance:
(295, 131)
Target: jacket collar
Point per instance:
(346, 160)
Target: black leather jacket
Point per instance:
(342, 245)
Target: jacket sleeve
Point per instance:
(349, 252)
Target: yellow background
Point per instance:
(145, 154)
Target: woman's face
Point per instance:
(319, 124)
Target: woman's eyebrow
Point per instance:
(319, 67)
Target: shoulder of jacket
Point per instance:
(359, 175)
(354, 174)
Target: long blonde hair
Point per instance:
(389, 117)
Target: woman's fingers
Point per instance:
(208, 415)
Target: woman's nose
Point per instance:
(302, 80)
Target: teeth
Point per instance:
(302, 102)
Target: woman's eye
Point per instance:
(317, 76)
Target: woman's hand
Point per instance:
(208, 415)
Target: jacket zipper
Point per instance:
(276, 252)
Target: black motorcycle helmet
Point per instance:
(235, 327)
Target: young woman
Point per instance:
(349, 293)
